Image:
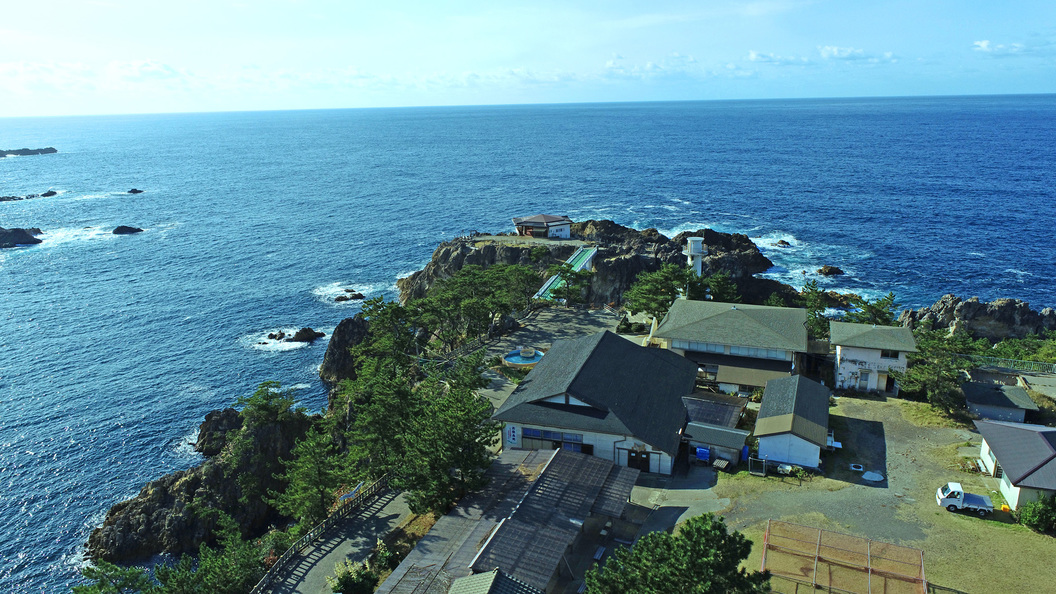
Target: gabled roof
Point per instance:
(1026, 453)
(759, 326)
(870, 336)
(989, 394)
(491, 582)
(631, 390)
(794, 405)
(541, 220)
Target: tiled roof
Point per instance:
(870, 336)
(491, 582)
(794, 405)
(541, 220)
(1026, 452)
(631, 390)
(739, 324)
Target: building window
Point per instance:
(540, 439)
(888, 354)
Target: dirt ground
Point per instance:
(916, 453)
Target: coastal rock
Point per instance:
(126, 230)
(782, 243)
(277, 335)
(212, 433)
(135, 191)
(49, 194)
(162, 518)
(994, 320)
(342, 298)
(353, 294)
(306, 335)
(24, 152)
(13, 237)
(623, 253)
(337, 362)
(828, 270)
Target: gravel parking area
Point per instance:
(961, 552)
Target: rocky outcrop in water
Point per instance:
(135, 191)
(165, 517)
(994, 320)
(126, 230)
(337, 362)
(829, 270)
(623, 253)
(306, 335)
(25, 152)
(14, 237)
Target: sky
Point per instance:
(74, 57)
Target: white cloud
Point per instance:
(851, 54)
(771, 58)
(1000, 49)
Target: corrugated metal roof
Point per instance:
(1026, 452)
(794, 405)
(758, 326)
(989, 394)
(714, 409)
(869, 336)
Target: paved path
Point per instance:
(351, 539)
(675, 499)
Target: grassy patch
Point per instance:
(922, 414)
(402, 540)
(514, 375)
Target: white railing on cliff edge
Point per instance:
(354, 502)
(1011, 363)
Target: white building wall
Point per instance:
(851, 361)
(789, 449)
(609, 447)
(560, 231)
(988, 459)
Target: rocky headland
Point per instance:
(993, 320)
(25, 152)
(10, 238)
(170, 514)
(623, 254)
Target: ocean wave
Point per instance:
(64, 235)
(259, 341)
(330, 292)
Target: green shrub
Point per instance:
(353, 578)
(1039, 515)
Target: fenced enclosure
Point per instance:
(806, 559)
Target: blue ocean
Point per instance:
(113, 348)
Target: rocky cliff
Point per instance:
(995, 320)
(623, 253)
(337, 362)
(165, 517)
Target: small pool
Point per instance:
(522, 358)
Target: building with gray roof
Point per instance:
(1022, 456)
(544, 225)
(519, 534)
(738, 346)
(606, 396)
(793, 422)
(866, 354)
(998, 402)
(712, 430)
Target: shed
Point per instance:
(998, 402)
(712, 426)
(1022, 456)
(793, 423)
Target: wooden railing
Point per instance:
(1011, 363)
(356, 501)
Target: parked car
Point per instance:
(953, 498)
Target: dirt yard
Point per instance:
(917, 452)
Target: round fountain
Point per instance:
(522, 357)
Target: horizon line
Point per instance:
(539, 104)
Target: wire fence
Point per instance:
(1011, 363)
(352, 503)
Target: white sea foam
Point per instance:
(183, 447)
(328, 293)
(261, 342)
(64, 235)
